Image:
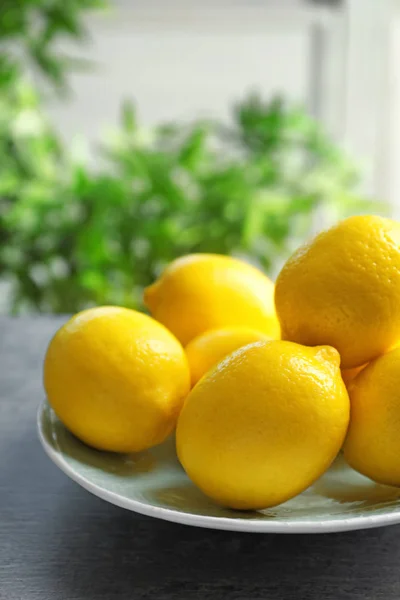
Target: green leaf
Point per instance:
(128, 117)
(193, 150)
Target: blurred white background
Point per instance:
(183, 58)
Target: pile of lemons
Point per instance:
(264, 384)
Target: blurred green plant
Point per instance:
(30, 31)
(72, 236)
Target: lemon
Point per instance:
(343, 289)
(372, 446)
(349, 374)
(200, 292)
(263, 424)
(209, 348)
(116, 378)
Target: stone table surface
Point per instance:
(58, 542)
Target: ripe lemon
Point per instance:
(349, 374)
(263, 424)
(200, 292)
(116, 378)
(209, 348)
(372, 446)
(343, 289)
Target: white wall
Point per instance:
(366, 92)
(185, 60)
(179, 59)
(390, 156)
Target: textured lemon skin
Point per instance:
(116, 379)
(200, 292)
(372, 445)
(343, 289)
(209, 348)
(264, 424)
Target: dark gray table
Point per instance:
(57, 542)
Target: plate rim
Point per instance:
(205, 521)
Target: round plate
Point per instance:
(153, 483)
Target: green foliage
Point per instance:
(72, 236)
(30, 29)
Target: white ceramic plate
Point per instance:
(154, 484)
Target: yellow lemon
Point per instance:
(372, 446)
(343, 289)
(264, 423)
(349, 374)
(200, 292)
(209, 348)
(116, 378)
